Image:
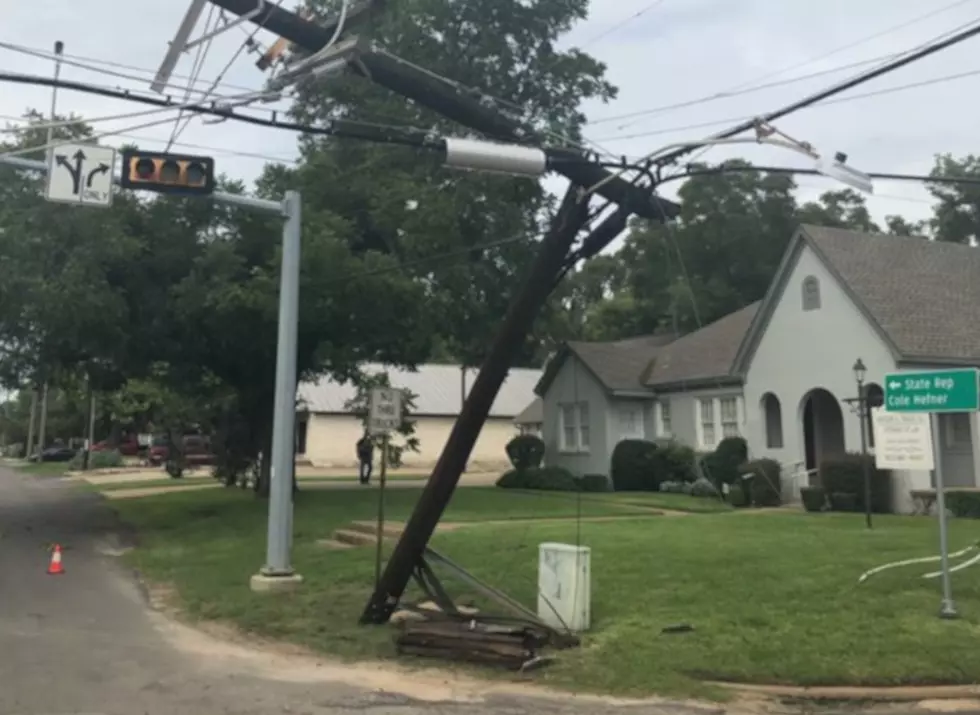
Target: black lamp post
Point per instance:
(861, 407)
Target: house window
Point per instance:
(575, 427)
(958, 430)
(773, 414)
(707, 409)
(664, 427)
(811, 293)
(631, 422)
(728, 407)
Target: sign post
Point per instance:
(384, 417)
(935, 392)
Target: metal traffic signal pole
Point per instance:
(277, 573)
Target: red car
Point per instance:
(197, 451)
(128, 446)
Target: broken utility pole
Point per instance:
(402, 78)
(554, 257)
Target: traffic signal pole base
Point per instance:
(948, 611)
(267, 582)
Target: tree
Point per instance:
(409, 206)
(839, 209)
(956, 215)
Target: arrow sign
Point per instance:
(894, 385)
(75, 171)
(81, 174)
(100, 169)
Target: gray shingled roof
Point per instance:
(437, 388)
(924, 295)
(706, 354)
(533, 414)
(619, 365)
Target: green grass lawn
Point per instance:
(44, 469)
(772, 598)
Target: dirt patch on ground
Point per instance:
(224, 646)
(153, 491)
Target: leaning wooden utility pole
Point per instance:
(554, 257)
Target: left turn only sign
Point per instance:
(81, 174)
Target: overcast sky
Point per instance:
(658, 53)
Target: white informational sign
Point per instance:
(384, 410)
(903, 440)
(81, 174)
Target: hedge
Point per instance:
(634, 466)
(845, 475)
(553, 479)
(101, 459)
(963, 504)
(765, 486)
(525, 451)
(723, 466)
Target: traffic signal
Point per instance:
(167, 173)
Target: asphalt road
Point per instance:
(87, 643)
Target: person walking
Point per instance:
(365, 458)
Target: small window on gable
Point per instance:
(811, 293)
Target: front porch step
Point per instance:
(391, 530)
(333, 545)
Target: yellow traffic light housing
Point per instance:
(167, 173)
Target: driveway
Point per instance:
(87, 643)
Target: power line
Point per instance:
(347, 128)
(819, 105)
(623, 23)
(760, 83)
(831, 91)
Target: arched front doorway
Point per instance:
(823, 427)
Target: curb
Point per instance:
(858, 693)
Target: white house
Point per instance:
(327, 431)
(778, 372)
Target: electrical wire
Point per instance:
(820, 105)
(761, 83)
(347, 128)
(90, 65)
(63, 142)
(200, 56)
(246, 43)
(623, 23)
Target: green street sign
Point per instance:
(934, 391)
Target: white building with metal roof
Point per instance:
(328, 431)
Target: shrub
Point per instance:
(634, 466)
(554, 479)
(513, 479)
(841, 501)
(595, 483)
(525, 451)
(675, 462)
(965, 505)
(722, 466)
(814, 498)
(703, 487)
(845, 475)
(97, 460)
(764, 488)
(671, 487)
(737, 497)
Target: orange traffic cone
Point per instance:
(55, 568)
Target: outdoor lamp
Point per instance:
(860, 371)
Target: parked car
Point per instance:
(60, 453)
(197, 451)
(128, 446)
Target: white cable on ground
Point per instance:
(924, 560)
